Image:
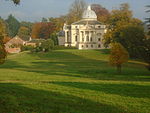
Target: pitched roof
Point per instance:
(16, 40)
(61, 33)
(36, 41)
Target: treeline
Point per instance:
(126, 31)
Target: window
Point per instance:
(99, 39)
(91, 39)
(87, 38)
(67, 36)
(76, 38)
(99, 46)
(86, 46)
(82, 39)
(91, 46)
(82, 46)
(76, 27)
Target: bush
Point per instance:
(47, 45)
(63, 47)
(54, 38)
(27, 48)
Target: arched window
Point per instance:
(86, 46)
(76, 38)
(87, 38)
(67, 36)
(99, 46)
(82, 46)
(91, 39)
(82, 39)
(99, 39)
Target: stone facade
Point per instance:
(86, 33)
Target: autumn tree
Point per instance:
(6, 39)
(101, 12)
(76, 10)
(58, 22)
(24, 33)
(3, 52)
(16, 1)
(42, 30)
(118, 56)
(2, 47)
(13, 26)
(27, 25)
(125, 29)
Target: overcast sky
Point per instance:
(34, 10)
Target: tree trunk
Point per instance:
(119, 69)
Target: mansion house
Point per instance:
(84, 34)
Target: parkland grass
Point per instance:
(72, 81)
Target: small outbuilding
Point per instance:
(14, 45)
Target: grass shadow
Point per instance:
(15, 98)
(68, 64)
(129, 90)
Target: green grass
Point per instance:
(72, 81)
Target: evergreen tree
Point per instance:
(13, 26)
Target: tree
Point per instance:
(43, 30)
(76, 11)
(44, 19)
(47, 45)
(24, 33)
(13, 26)
(27, 25)
(58, 22)
(123, 14)
(145, 52)
(147, 20)
(118, 56)
(16, 1)
(3, 53)
(6, 39)
(54, 37)
(101, 12)
(120, 20)
(131, 37)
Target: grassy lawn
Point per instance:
(72, 81)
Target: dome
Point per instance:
(89, 14)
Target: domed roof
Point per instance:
(89, 14)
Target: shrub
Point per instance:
(27, 48)
(63, 47)
(47, 45)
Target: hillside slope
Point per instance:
(72, 81)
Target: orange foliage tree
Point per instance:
(118, 56)
(42, 30)
(6, 39)
(101, 12)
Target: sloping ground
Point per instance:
(72, 81)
